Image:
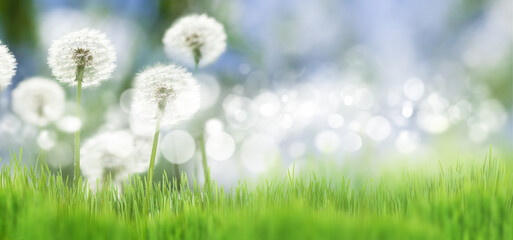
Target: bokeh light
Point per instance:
(178, 146)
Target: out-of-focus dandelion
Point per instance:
(140, 157)
(7, 67)
(38, 101)
(164, 95)
(83, 58)
(195, 39)
(168, 92)
(106, 156)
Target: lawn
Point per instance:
(463, 201)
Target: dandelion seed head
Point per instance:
(38, 101)
(195, 39)
(88, 48)
(168, 90)
(107, 153)
(140, 158)
(7, 67)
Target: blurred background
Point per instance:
(337, 85)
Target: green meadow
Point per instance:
(461, 201)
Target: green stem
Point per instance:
(152, 161)
(80, 75)
(154, 149)
(206, 170)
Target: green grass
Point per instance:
(461, 202)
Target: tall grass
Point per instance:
(461, 202)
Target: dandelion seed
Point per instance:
(38, 101)
(7, 67)
(89, 52)
(195, 39)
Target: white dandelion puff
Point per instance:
(7, 67)
(140, 157)
(83, 58)
(38, 101)
(167, 90)
(164, 95)
(89, 51)
(195, 39)
(106, 155)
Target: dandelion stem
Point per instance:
(206, 170)
(152, 161)
(79, 77)
(154, 149)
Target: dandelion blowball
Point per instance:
(107, 153)
(140, 157)
(7, 67)
(195, 39)
(168, 90)
(38, 101)
(87, 49)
